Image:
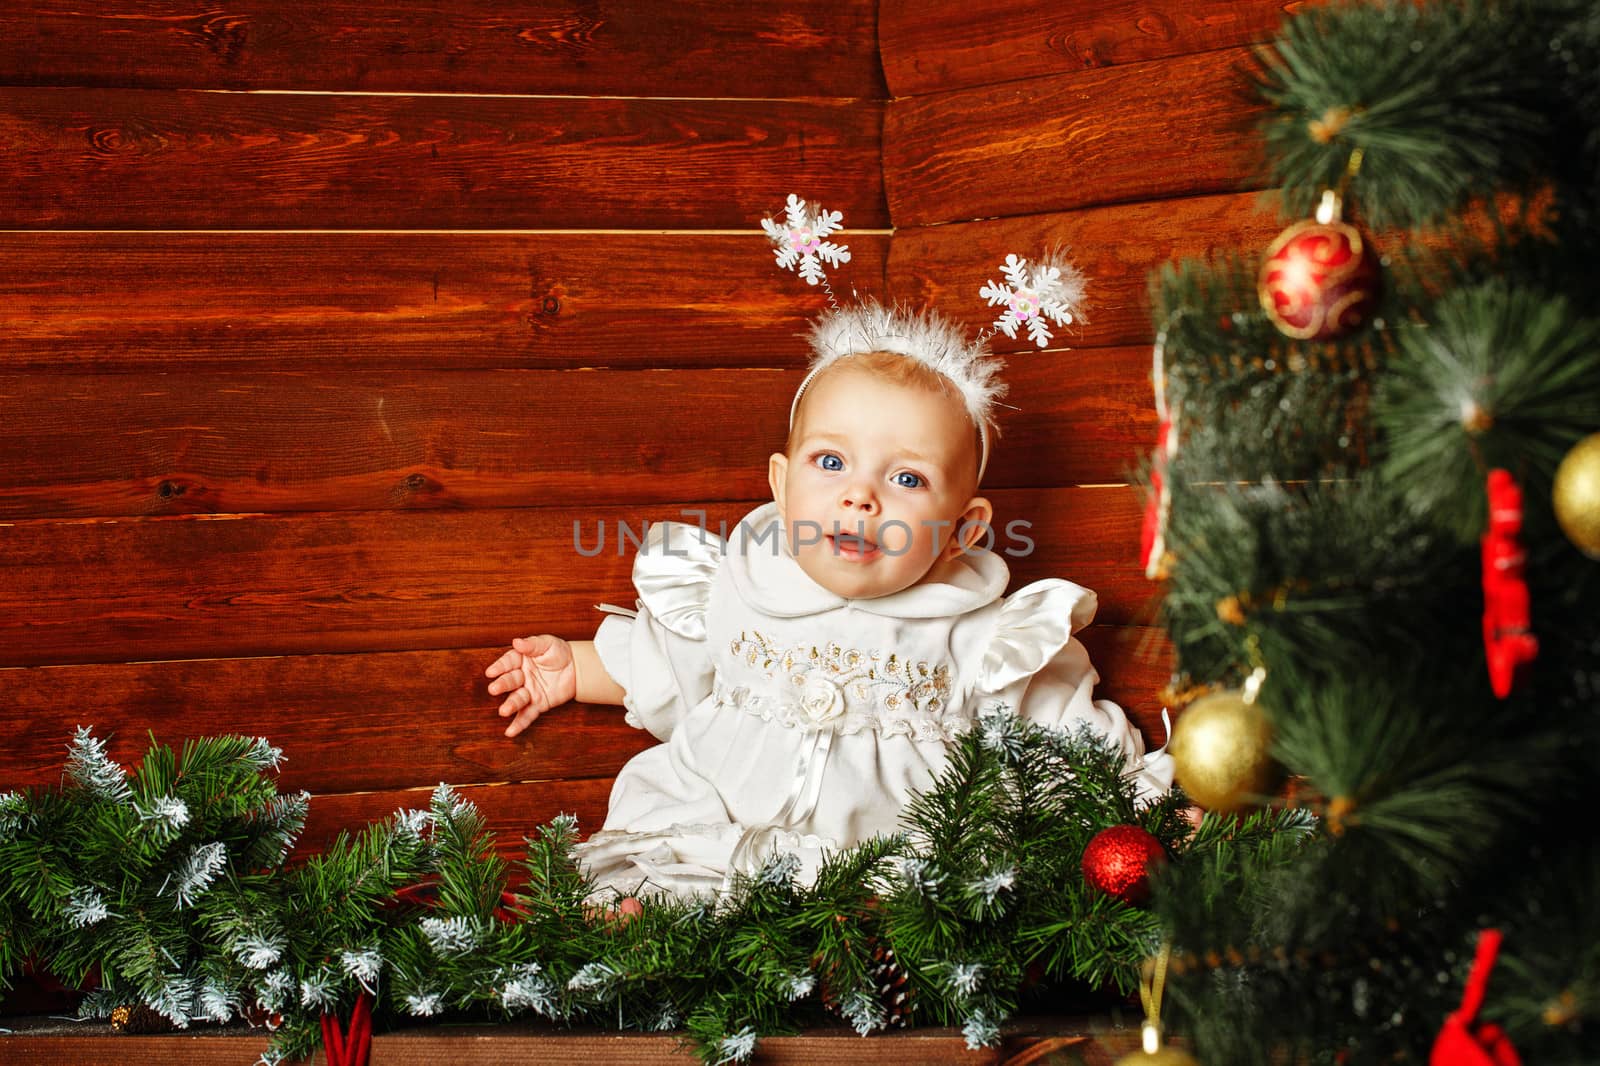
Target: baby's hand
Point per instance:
(539, 674)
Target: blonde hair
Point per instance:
(894, 369)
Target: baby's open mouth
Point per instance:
(851, 546)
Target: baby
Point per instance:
(805, 676)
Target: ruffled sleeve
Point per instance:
(1036, 666)
(658, 653)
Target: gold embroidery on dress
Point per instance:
(919, 687)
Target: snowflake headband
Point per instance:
(928, 338)
(1051, 292)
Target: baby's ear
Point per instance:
(973, 526)
(777, 475)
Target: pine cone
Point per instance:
(894, 986)
(891, 984)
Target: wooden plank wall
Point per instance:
(1120, 131)
(322, 323)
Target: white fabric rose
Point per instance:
(821, 699)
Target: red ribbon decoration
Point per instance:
(1508, 643)
(1462, 1042)
(352, 1048)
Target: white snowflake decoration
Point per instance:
(319, 989)
(12, 814)
(779, 869)
(921, 876)
(446, 805)
(450, 936)
(275, 991)
(198, 869)
(95, 771)
(1035, 298)
(738, 1047)
(593, 978)
(165, 814)
(363, 964)
(800, 242)
(410, 824)
(263, 756)
(259, 952)
(214, 1003)
(85, 907)
(864, 1013)
(799, 985)
(1000, 731)
(525, 986)
(980, 1031)
(424, 1004)
(173, 998)
(964, 977)
(284, 817)
(991, 885)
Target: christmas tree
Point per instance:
(1376, 510)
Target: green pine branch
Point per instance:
(1444, 101)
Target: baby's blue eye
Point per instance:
(907, 480)
(829, 461)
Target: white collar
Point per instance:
(771, 580)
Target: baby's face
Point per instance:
(875, 482)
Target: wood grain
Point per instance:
(127, 301)
(1091, 1040)
(612, 48)
(345, 723)
(1117, 247)
(153, 159)
(389, 720)
(370, 440)
(182, 587)
(367, 440)
(937, 47)
(1166, 128)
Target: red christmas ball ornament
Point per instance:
(1321, 278)
(1118, 860)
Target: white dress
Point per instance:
(793, 719)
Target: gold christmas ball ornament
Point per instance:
(1166, 1056)
(1155, 1053)
(1576, 495)
(1222, 752)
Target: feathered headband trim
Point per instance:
(926, 337)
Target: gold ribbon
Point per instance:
(1151, 986)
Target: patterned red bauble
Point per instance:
(1320, 280)
(1118, 860)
